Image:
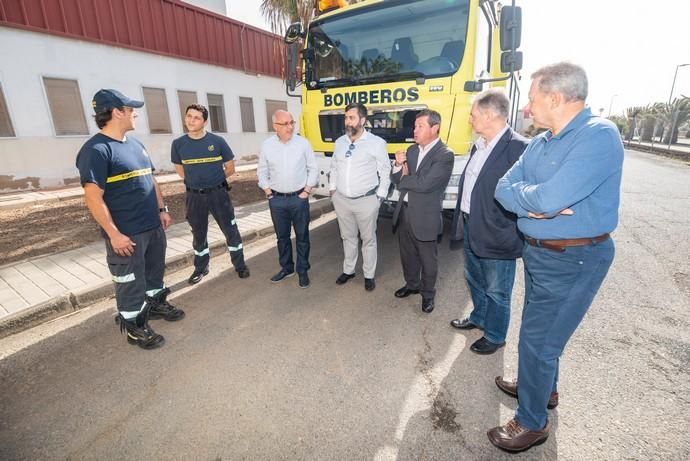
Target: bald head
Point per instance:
(283, 124)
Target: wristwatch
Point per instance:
(164, 209)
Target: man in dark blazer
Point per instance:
(492, 240)
(421, 174)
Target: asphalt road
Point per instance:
(270, 371)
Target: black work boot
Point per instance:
(139, 332)
(162, 309)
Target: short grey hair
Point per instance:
(494, 100)
(566, 78)
(433, 117)
(274, 117)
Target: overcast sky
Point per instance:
(629, 48)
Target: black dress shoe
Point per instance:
(343, 278)
(303, 280)
(485, 347)
(514, 437)
(280, 276)
(197, 275)
(463, 324)
(244, 273)
(404, 292)
(427, 305)
(369, 284)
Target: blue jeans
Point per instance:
(491, 284)
(559, 288)
(287, 212)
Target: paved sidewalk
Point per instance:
(25, 198)
(43, 288)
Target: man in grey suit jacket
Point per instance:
(421, 174)
(492, 239)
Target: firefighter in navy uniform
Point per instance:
(205, 161)
(124, 198)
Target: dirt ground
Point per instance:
(60, 226)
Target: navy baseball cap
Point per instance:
(112, 99)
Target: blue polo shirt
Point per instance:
(202, 159)
(580, 168)
(124, 171)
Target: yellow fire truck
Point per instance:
(398, 57)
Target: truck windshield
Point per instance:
(391, 40)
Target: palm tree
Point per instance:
(649, 121)
(672, 116)
(280, 13)
(631, 113)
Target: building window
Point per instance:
(271, 107)
(247, 114)
(6, 130)
(66, 108)
(157, 110)
(216, 112)
(186, 99)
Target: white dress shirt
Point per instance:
(422, 153)
(474, 167)
(287, 167)
(367, 167)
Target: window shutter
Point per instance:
(156, 105)
(65, 106)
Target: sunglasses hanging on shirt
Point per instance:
(348, 154)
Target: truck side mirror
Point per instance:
(292, 69)
(293, 33)
(472, 86)
(511, 61)
(511, 27)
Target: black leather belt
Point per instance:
(208, 190)
(369, 193)
(287, 194)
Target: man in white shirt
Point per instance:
(287, 171)
(492, 241)
(359, 181)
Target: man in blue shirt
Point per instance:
(565, 190)
(204, 160)
(124, 198)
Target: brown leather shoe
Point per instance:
(515, 438)
(510, 388)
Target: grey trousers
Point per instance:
(358, 216)
(419, 259)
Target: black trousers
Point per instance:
(217, 202)
(142, 273)
(419, 259)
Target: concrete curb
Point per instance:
(73, 301)
(662, 152)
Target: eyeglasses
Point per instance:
(348, 154)
(290, 123)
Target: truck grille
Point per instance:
(393, 125)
